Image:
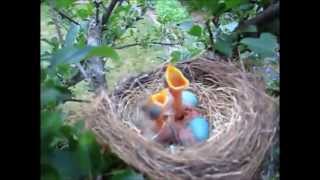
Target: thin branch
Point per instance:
(269, 14)
(107, 14)
(140, 44)
(77, 100)
(210, 34)
(63, 15)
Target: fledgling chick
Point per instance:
(157, 108)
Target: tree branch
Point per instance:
(63, 15)
(269, 14)
(77, 100)
(107, 14)
(139, 44)
(74, 80)
(97, 4)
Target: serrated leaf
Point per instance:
(71, 35)
(265, 46)
(195, 31)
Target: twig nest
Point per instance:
(244, 118)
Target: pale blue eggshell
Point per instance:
(189, 99)
(200, 128)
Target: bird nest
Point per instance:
(243, 122)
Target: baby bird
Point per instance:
(157, 109)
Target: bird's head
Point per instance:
(175, 79)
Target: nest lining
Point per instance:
(234, 102)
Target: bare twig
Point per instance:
(139, 44)
(63, 15)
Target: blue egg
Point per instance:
(200, 128)
(189, 99)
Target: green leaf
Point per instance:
(63, 3)
(175, 56)
(66, 164)
(61, 55)
(79, 55)
(104, 51)
(224, 45)
(195, 31)
(50, 124)
(71, 35)
(69, 133)
(126, 174)
(234, 3)
(265, 46)
(48, 172)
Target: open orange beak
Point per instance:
(177, 82)
(161, 98)
(175, 79)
